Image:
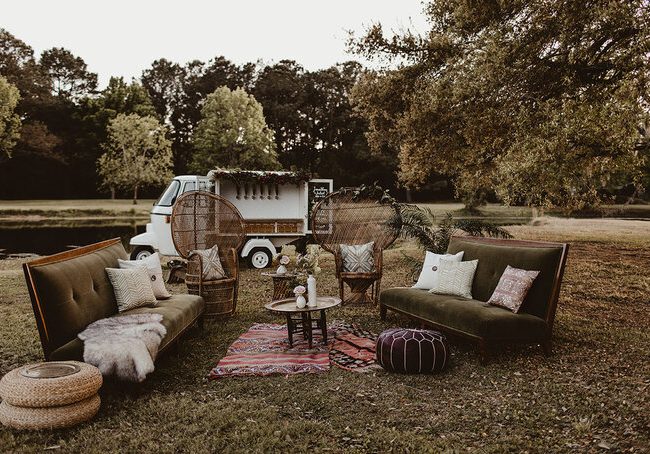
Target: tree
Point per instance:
(164, 83)
(137, 154)
(539, 101)
(233, 133)
(69, 75)
(9, 120)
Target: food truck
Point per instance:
(276, 208)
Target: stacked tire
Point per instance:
(50, 395)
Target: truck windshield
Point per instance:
(169, 196)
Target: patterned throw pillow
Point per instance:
(513, 288)
(132, 288)
(152, 265)
(455, 278)
(358, 258)
(212, 268)
(429, 275)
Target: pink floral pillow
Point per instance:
(513, 288)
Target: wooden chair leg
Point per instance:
(201, 322)
(484, 351)
(341, 290)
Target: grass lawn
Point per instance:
(592, 395)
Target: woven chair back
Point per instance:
(201, 219)
(342, 218)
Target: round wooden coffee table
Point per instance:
(300, 320)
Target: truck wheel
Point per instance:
(259, 258)
(141, 252)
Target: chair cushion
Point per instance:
(493, 260)
(154, 268)
(512, 288)
(455, 278)
(212, 268)
(469, 316)
(178, 312)
(132, 287)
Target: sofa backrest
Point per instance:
(494, 255)
(70, 290)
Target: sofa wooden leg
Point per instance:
(547, 347)
(382, 311)
(201, 322)
(484, 351)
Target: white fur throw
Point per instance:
(125, 346)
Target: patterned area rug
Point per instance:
(354, 348)
(264, 350)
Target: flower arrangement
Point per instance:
(299, 290)
(307, 263)
(281, 259)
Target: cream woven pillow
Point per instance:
(132, 288)
(152, 265)
(455, 278)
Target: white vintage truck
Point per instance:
(275, 213)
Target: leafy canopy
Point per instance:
(9, 120)
(137, 154)
(539, 101)
(233, 133)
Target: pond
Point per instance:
(50, 239)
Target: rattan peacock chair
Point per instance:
(345, 217)
(201, 220)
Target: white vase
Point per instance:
(281, 270)
(300, 302)
(312, 300)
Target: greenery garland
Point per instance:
(241, 177)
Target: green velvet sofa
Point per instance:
(474, 319)
(70, 290)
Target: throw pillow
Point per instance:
(212, 268)
(512, 288)
(358, 258)
(152, 265)
(429, 275)
(132, 288)
(455, 278)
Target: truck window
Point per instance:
(169, 196)
(189, 186)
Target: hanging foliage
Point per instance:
(243, 177)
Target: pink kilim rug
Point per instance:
(264, 350)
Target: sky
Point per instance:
(122, 38)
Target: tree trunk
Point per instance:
(135, 194)
(409, 196)
(112, 193)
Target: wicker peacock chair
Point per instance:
(344, 217)
(199, 221)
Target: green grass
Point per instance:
(593, 391)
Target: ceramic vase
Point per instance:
(312, 300)
(281, 270)
(300, 302)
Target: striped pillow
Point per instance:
(358, 258)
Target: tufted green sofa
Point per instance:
(476, 320)
(70, 290)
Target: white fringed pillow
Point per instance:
(212, 267)
(153, 267)
(455, 278)
(132, 288)
(358, 258)
(429, 275)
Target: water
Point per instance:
(45, 240)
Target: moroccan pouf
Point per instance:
(50, 395)
(412, 351)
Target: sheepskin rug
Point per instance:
(124, 346)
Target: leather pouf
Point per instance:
(412, 351)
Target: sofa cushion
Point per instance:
(178, 312)
(73, 293)
(468, 316)
(493, 260)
